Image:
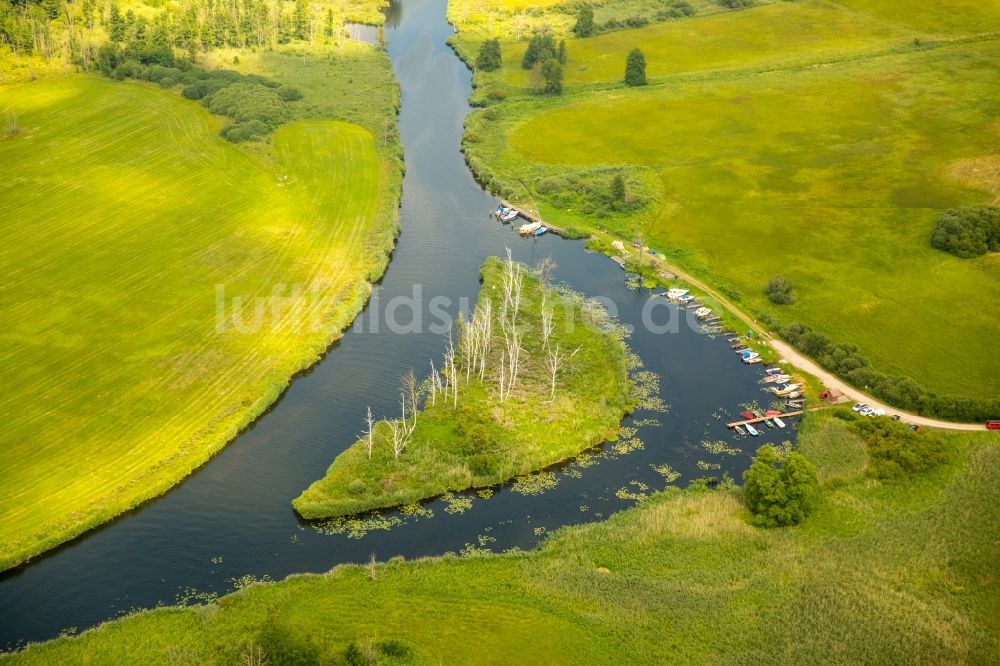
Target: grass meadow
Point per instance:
(122, 211)
(829, 174)
(884, 572)
(479, 440)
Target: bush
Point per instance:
(484, 464)
(635, 68)
(676, 10)
(244, 102)
(248, 131)
(204, 88)
(968, 232)
(357, 487)
(780, 492)
(490, 58)
(584, 26)
(289, 93)
(780, 290)
(736, 4)
(895, 450)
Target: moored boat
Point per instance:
(740, 430)
(528, 228)
(509, 215)
(702, 312)
(779, 422)
(539, 231)
(753, 431)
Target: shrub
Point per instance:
(584, 26)
(778, 492)
(780, 290)
(248, 131)
(736, 4)
(895, 450)
(168, 82)
(676, 10)
(353, 656)
(395, 648)
(968, 232)
(357, 487)
(490, 58)
(635, 68)
(484, 464)
(618, 191)
(289, 93)
(204, 88)
(244, 102)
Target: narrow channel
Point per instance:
(233, 517)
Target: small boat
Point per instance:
(746, 414)
(740, 430)
(686, 298)
(753, 431)
(620, 261)
(676, 293)
(772, 412)
(752, 361)
(779, 422)
(794, 394)
(702, 313)
(509, 215)
(785, 390)
(773, 371)
(528, 228)
(768, 423)
(539, 231)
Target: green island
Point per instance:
(818, 142)
(887, 569)
(124, 214)
(485, 424)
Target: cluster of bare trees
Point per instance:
(479, 344)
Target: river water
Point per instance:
(233, 517)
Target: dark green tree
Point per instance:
(328, 29)
(490, 57)
(635, 68)
(302, 19)
(561, 52)
(618, 191)
(540, 48)
(780, 290)
(968, 232)
(552, 74)
(584, 26)
(116, 24)
(780, 492)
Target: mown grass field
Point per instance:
(831, 175)
(122, 212)
(886, 572)
(479, 440)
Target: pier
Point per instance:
(761, 419)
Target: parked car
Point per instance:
(865, 411)
(895, 417)
(858, 406)
(914, 427)
(877, 412)
(993, 425)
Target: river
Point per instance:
(233, 517)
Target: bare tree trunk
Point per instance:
(553, 362)
(370, 421)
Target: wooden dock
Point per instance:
(532, 216)
(761, 419)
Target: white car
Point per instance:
(858, 406)
(865, 411)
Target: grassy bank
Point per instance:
(747, 159)
(485, 436)
(884, 572)
(124, 214)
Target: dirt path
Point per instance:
(802, 362)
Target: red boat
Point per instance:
(745, 414)
(772, 412)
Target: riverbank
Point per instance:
(679, 578)
(158, 246)
(753, 203)
(480, 426)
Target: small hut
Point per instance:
(832, 396)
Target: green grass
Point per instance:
(831, 175)
(804, 30)
(123, 210)
(882, 573)
(481, 440)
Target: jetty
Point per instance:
(533, 216)
(761, 419)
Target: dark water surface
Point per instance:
(233, 517)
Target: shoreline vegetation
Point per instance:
(86, 443)
(759, 199)
(681, 577)
(538, 374)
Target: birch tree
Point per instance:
(554, 359)
(370, 432)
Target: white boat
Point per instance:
(778, 422)
(750, 429)
(702, 313)
(784, 390)
(509, 215)
(675, 293)
(774, 371)
(529, 228)
(772, 379)
(685, 298)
